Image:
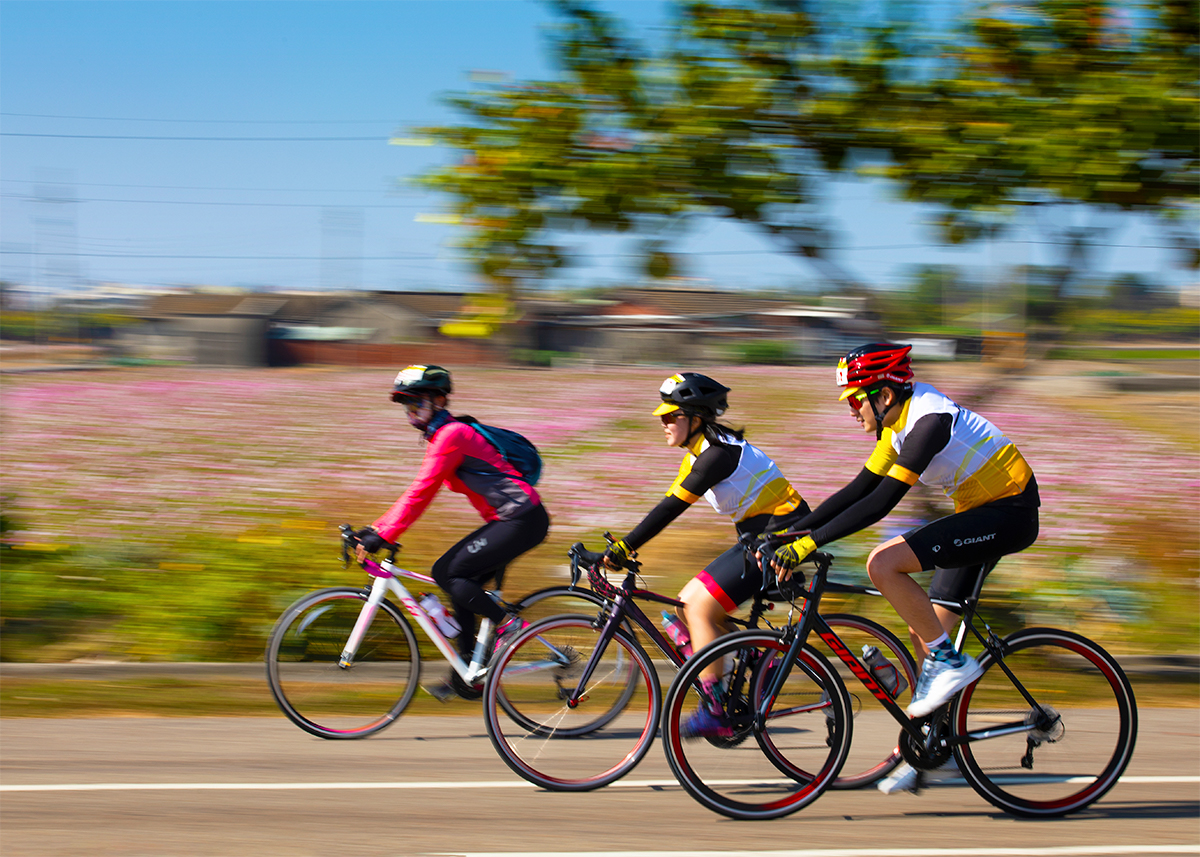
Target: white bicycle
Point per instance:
(344, 662)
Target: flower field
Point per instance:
(171, 512)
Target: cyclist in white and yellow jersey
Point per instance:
(739, 480)
(924, 435)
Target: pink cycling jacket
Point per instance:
(460, 458)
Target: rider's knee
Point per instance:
(891, 558)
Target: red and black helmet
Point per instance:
(869, 366)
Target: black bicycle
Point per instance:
(1046, 730)
(557, 679)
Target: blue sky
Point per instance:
(105, 201)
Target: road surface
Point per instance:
(434, 785)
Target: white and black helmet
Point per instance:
(694, 394)
(415, 381)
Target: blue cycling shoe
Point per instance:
(704, 724)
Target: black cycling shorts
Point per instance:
(735, 576)
(481, 556)
(956, 546)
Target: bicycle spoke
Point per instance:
(792, 759)
(330, 700)
(562, 746)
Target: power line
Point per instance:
(7, 252)
(203, 202)
(373, 139)
(207, 121)
(14, 252)
(198, 187)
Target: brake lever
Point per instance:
(347, 532)
(576, 571)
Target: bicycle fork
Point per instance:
(378, 588)
(365, 617)
(615, 615)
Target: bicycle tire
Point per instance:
(1058, 766)
(557, 600)
(556, 746)
(874, 753)
(562, 600)
(310, 686)
(747, 781)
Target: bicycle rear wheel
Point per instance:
(1048, 763)
(874, 753)
(557, 746)
(797, 754)
(322, 697)
(557, 600)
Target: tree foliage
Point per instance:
(1064, 103)
(749, 106)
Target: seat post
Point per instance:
(971, 601)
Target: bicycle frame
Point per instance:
(811, 620)
(624, 606)
(384, 579)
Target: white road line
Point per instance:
(1065, 851)
(482, 784)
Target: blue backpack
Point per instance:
(514, 448)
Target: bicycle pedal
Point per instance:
(443, 691)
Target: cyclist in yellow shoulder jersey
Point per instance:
(739, 480)
(924, 435)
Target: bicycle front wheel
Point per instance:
(1065, 752)
(323, 697)
(552, 743)
(874, 753)
(800, 748)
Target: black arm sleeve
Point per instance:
(928, 437)
(710, 467)
(865, 512)
(668, 509)
(860, 486)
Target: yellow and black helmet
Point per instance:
(694, 394)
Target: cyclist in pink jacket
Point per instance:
(458, 457)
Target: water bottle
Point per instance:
(886, 675)
(445, 622)
(678, 633)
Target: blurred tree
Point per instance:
(1054, 106)
(750, 105)
(736, 119)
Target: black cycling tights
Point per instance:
(478, 558)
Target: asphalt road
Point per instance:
(433, 785)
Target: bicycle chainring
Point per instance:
(464, 690)
(929, 754)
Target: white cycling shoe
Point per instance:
(939, 682)
(906, 778)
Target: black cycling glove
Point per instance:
(370, 540)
